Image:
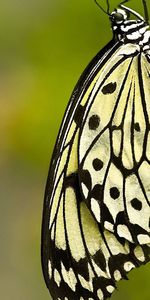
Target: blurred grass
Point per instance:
(45, 45)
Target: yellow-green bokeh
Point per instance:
(44, 47)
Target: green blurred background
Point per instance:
(44, 47)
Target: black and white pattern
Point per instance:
(96, 213)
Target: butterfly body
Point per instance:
(98, 187)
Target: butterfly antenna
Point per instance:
(105, 11)
(146, 11)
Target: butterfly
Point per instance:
(96, 216)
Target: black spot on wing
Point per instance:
(109, 88)
(71, 181)
(96, 192)
(114, 192)
(94, 122)
(78, 117)
(99, 259)
(136, 204)
(121, 219)
(137, 127)
(139, 230)
(85, 178)
(97, 164)
(106, 215)
(82, 268)
(146, 250)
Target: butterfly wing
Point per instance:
(81, 259)
(114, 147)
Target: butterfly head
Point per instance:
(126, 30)
(118, 16)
